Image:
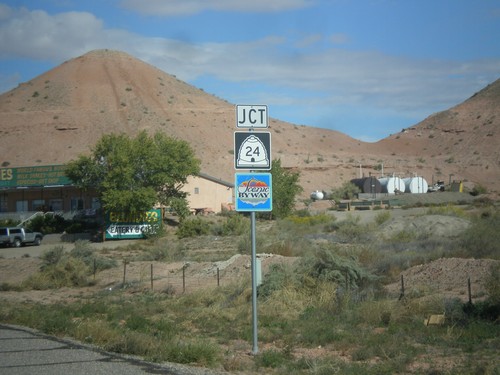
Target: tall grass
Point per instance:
(326, 314)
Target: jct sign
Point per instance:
(251, 116)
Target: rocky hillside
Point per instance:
(462, 142)
(62, 113)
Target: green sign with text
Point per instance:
(48, 175)
(126, 225)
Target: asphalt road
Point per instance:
(27, 352)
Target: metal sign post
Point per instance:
(255, 344)
(253, 192)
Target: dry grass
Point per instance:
(307, 325)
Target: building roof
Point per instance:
(215, 179)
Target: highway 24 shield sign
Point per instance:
(253, 192)
(252, 150)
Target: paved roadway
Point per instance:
(26, 352)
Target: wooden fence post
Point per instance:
(124, 272)
(184, 279)
(401, 296)
(469, 290)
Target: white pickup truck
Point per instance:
(18, 236)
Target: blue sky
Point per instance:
(367, 68)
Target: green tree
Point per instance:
(347, 191)
(285, 189)
(133, 174)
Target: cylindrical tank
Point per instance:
(368, 185)
(391, 185)
(317, 195)
(415, 185)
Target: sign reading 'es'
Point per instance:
(252, 150)
(253, 192)
(251, 116)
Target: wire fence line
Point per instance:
(171, 280)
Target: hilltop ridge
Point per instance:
(60, 114)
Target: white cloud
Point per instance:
(185, 7)
(329, 76)
(38, 35)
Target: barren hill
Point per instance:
(62, 113)
(462, 142)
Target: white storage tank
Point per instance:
(416, 185)
(317, 195)
(391, 185)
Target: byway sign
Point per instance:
(253, 192)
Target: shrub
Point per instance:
(234, 225)
(273, 358)
(51, 257)
(193, 227)
(482, 238)
(276, 279)
(83, 251)
(493, 284)
(156, 253)
(327, 264)
(349, 229)
(8, 223)
(311, 220)
(47, 224)
(382, 217)
(478, 190)
(68, 272)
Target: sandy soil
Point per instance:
(445, 276)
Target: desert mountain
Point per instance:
(61, 114)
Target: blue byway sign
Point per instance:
(253, 192)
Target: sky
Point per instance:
(366, 68)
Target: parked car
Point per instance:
(18, 236)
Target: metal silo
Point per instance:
(391, 185)
(416, 185)
(369, 185)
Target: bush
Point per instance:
(83, 251)
(349, 230)
(68, 272)
(193, 227)
(482, 238)
(234, 225)
(276, 279)
(273, 358)
(478, 190)
(47, 224)
(311, 220)
(51, 257)
(382, 217)
(8, 223)
(493, 284)
(327, 264)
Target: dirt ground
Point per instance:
(136, 276)
(447, 276)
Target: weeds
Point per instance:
(325, 314)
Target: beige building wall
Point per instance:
(207, 195)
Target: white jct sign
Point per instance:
(251, 116)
